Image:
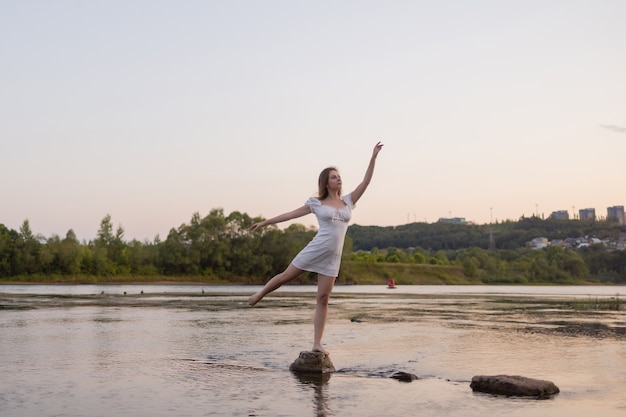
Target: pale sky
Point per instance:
(151, 111)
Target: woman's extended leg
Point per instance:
(284, 277)
(325, 286)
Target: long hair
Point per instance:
(322, 182)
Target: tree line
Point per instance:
(508, 234)
(214, 245)
(499, 252)
(222, 247)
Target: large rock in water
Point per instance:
(312, 362)
(518, 386)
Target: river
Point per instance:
(192, 350)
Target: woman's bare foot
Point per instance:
(320, 348)
(254, 298)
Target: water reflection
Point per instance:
(318, 383)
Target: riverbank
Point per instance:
(352, 273)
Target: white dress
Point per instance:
(323, 254)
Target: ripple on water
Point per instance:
(193, 355)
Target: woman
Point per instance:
(323, 254)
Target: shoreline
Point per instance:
(300, 284)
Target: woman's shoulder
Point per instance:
(313, 202)
(348, 200)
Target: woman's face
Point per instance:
(334, 181)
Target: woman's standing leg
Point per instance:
(284, 277)
(325, 286)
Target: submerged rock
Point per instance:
(515, 385)
(312, 362)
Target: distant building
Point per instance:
(560, 215)
(587, 214)
(538, 243)
(615, 212)
(453, 220)
(621, 242)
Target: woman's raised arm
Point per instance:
(360, 189)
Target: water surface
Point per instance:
(179, 351)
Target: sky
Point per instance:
(151, 111)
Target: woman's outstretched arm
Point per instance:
(360, 189)
(299, 212)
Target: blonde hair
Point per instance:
(322, 182)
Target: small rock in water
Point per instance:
(404, 376)
(514, 385)
(312, 362)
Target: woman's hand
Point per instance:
(256, 226)
(377, 149)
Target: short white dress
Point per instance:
(323, 254)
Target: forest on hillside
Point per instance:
(500, 235)
(221, 247)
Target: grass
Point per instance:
(114, 279)
(351, 273)
(404, 274)
(614, 303)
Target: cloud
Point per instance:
(615, 128)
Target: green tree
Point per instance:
(209, 242)
(245, 250)
(142, 258)
(173, 255)
(110, 255)
(105, 232)
(70, 254)
(27, 251)
(101, 263)
(8, 239)
(470, 266)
